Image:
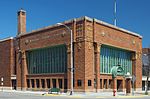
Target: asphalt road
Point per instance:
(12, 95)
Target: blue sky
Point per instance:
(132, 15)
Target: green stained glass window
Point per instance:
(111, 56)
(47, 60)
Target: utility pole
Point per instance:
(72, 55)
(147, 71)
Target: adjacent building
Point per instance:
(7, 64)
(145, 68)
(41, 58)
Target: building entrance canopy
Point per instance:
(117, 70)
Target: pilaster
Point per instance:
(97, 47)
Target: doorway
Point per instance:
(13, 84)
(119, 86)
(65, 85)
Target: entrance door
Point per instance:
(65, 85)
(119, 85)
(13, 84)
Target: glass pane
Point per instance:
(111, 56)
(47, 60)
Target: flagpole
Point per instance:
(115, 11)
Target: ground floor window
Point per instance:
(32, 83)
(105, 84)
(79, 82)
(48, 83)
(110, 84)
(89, 83)
(54, 83)
(43, 83)
(60, 83)
(28, 83)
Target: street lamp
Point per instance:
(71, 40)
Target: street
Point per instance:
(13, 95)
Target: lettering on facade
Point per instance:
(61, 33)
(89, 29)
(129, 42)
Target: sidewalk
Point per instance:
(99, 95)
(82, 95)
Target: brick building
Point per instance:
(7, 63)
(43, 56)
(145, 68)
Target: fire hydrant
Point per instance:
(114, 92)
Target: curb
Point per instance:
(140, 96)
(51, 95)
(78, 96)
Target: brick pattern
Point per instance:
(7, 61)
(86, 54)
(21, 22)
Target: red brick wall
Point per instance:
(6, 61)
(45, 38)
(86, 35)
(117, 38)
(21, 22)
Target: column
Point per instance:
(57, 83)
(30, 83)
(23, 71)
(97, 65)
(45, 84)
(40, 84)
(136, 69)
(35, 86)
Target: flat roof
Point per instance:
(5, 39)
(89, 19)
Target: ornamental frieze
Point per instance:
(50, 35)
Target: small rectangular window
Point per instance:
(79, 83)
(110, 84)
(89, 83)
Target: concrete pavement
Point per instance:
(138, 94)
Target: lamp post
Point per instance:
(71, 40)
